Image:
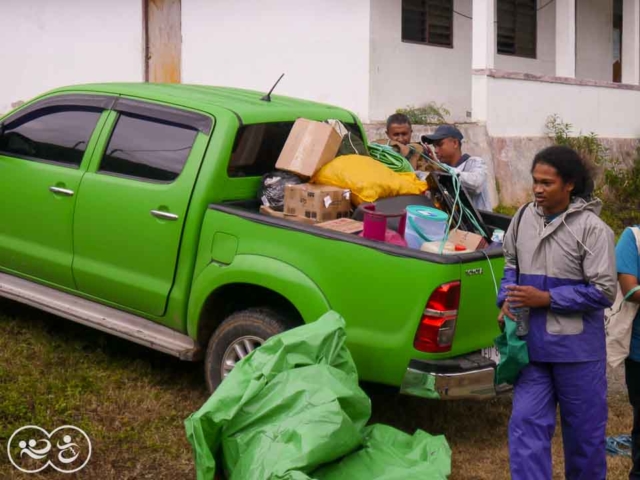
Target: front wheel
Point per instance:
(237, 336)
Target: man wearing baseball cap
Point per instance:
(472, 171)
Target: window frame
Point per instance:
(68, 101)
(534, 56)
(427, 42)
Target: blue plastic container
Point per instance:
(424, 224)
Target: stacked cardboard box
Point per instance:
(319, 203)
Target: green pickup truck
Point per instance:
(132, 208)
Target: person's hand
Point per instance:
(429, 153)
(404, 149)
(527, 296)
(504, 311)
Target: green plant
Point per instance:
(616, 185)
(429, 114)
(506, 210)
(589, 146)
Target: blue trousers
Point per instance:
(581, 391)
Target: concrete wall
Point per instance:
(509, 158)
(322, 47)
(48, 44)
(513, 156)
(405, 74)
(594, 40)
(607, 111)
(545, 61)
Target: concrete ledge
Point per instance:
(507, 75)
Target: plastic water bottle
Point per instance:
(522, 320)
(498, 236)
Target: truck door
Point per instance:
(44, 152)
(133, 203)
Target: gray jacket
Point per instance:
(474, 177)
(572, 258)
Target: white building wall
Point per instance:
(46, 44)
(521, 108)
(404, 74)
(407, 74)
(321, 46)
(545, 61)
(594, 40)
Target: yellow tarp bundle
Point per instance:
(367, 179)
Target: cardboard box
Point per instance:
(471, 241)
(344, 225)
(317, 202)
(273, 213)
(309, 146)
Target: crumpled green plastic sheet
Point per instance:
(293, 410)
(514, 355)
(390, 454)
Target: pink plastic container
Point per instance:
(375, 226)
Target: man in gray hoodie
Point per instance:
(560, 264)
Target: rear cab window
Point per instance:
(258, 146)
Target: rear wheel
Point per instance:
(237, 336)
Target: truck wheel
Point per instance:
(237, 336)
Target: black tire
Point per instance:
(261, 323)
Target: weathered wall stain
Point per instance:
(164, 41)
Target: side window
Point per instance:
(56, 134)
(147, 148)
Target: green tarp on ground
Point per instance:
(514, 355)
(293, 410)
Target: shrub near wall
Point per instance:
(617, 184)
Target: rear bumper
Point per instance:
(467, 377)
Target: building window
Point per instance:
(428, 21)
(517, 24)
(617, 41)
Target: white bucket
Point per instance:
(424, 224)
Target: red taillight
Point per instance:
(438, 323)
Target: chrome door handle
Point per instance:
(164, 215)
(62, 191)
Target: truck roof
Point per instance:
(245, 103)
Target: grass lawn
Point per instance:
(132, 402)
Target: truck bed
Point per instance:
(380, 289)
(250, 210)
